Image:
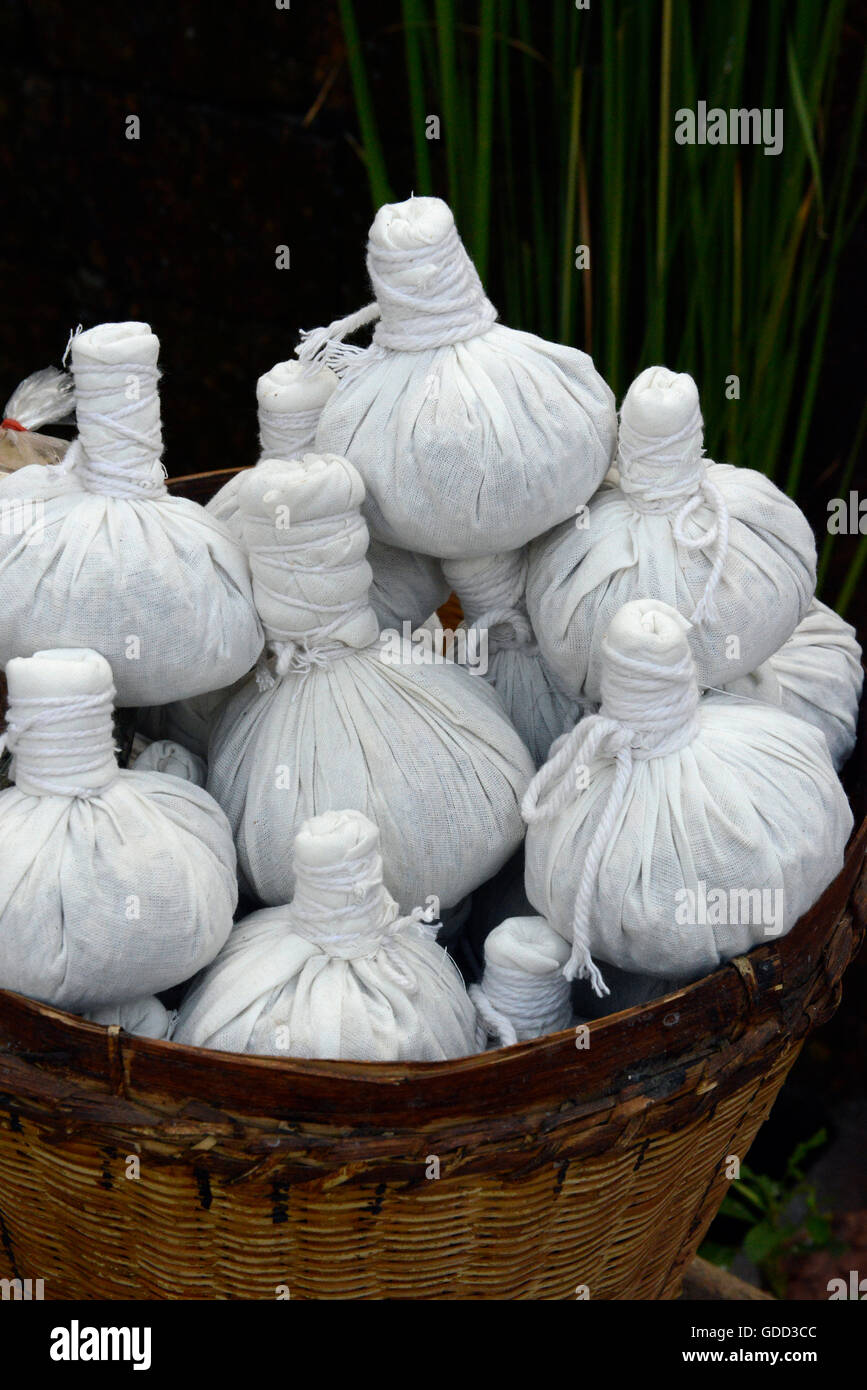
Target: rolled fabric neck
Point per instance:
(307, 544)
(119, 447)
(341, 903)
(660, 443)
(59, 723)
(427, 289)
(491, 592)
(428, 292)
(291, 399)
(523, 983)
(648, 682)
(649, 709)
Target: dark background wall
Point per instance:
(180, 227)
(249, 140)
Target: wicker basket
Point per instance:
(139, 1169)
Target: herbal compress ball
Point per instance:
(471, 437)
(335, 973)
(669, 833)
(722, 545)
(113, 884)
(106, 558)
(336, 720)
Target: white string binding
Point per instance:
(42, 745)
(294, 655)
(495, 592)
(105, 469)
(286, 434)
(647, 712)
(366, 923)
(446, 304)
(510, 1000)
(661, 474)
(492, 1023)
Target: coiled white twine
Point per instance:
(49, 757)
(445, 304)
(126, 463)
(286, 434)
(366, 922)
(510, 1002)
(667, 473)
(648, 710)
(495, 592)
(294, 655)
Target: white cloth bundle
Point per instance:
(145, 1017)
(669, 834)
(337, 973)
(406, 587)
(187, 722)
(721, 544)
(113, 884)
(163, 755)
(817, 675)
(523, 993)
(105, 558)
(491, 591)
(289, 400)
(425, 750)
(471, 437)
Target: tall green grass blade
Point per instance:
(371, 145)
(413, 21)
(484, 136)
(449, 94)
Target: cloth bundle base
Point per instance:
(105, 558)
(337, 973)
(668, 834)
(816, 675)
(338, 721)
(720, 544)
(491, 592)
(113, 884)
(471, 437)
(145, 1017)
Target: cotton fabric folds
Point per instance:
(164, 755)
(720, 544)
(670, 834)
(337, 973)
(470, 437)
(105, 558)
(337, 721)
(146, 1017)
(816, 675)
(491, 592)
(406, 587)
(113, 884)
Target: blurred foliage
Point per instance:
(783, 1218)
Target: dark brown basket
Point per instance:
(139, 1169)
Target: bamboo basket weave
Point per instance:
(139, 1169)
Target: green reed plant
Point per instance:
(558, 131)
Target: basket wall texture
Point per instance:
(584, 1164)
